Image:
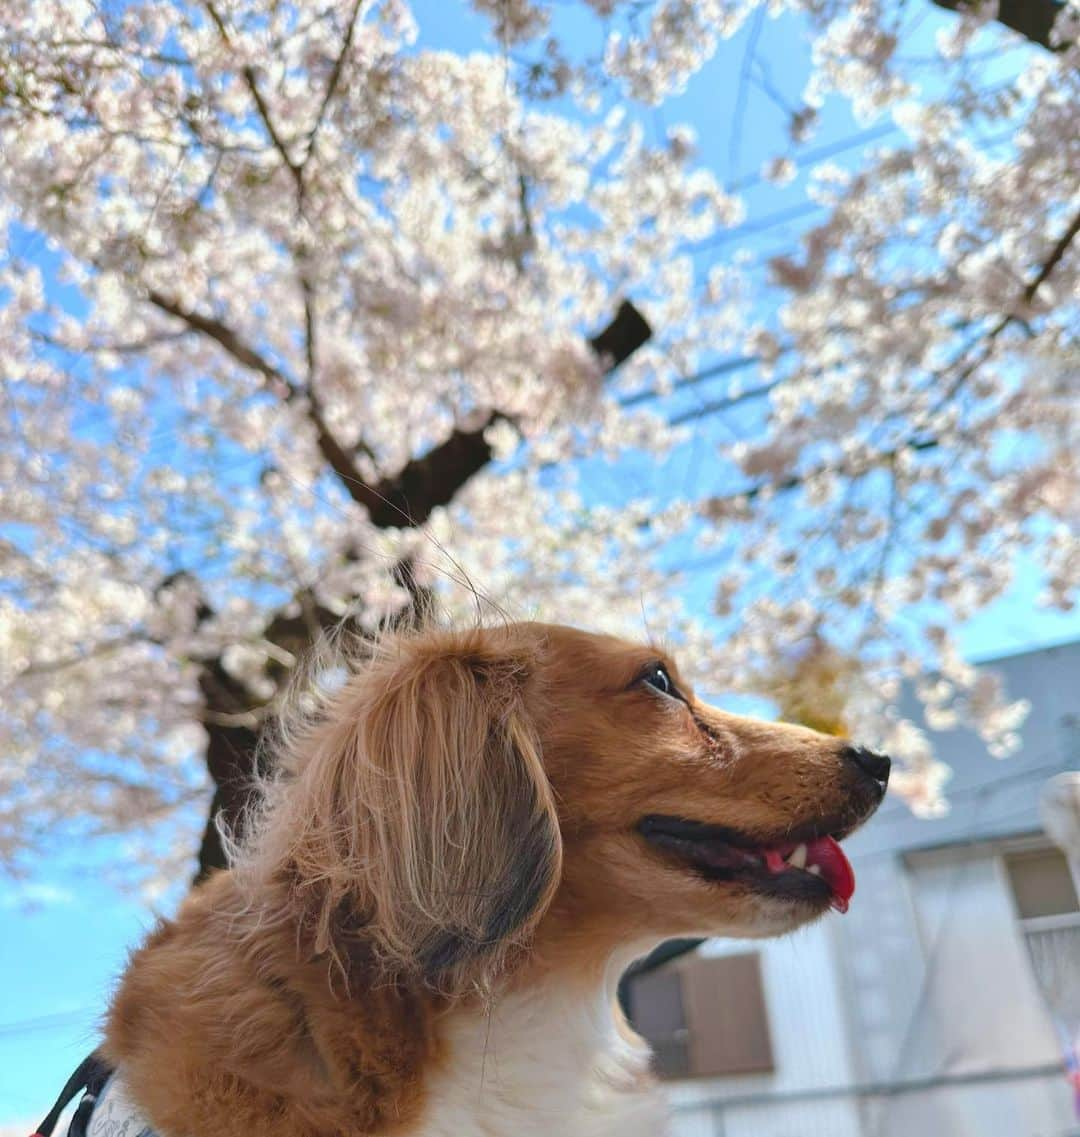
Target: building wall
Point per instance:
(978, 1008)
(975, 1011)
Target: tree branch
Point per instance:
(96, 651)
(332, 83)
(372, 498)
(131, 347)
(251, 81)
(425, 483)
(919, 440)
(337, 457)
(1033, 19)
(628, 331)
(1053, 260)
(716, 406)
(408, 498)
(715, 506)
(294, 168)
(232, 718)
(231, 341)
(1014, 316)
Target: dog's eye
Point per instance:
(658, 679)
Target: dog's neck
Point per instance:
(552, 1055)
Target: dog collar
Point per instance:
(105, 1108)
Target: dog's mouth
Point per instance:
(810, 868)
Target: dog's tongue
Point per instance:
(836, 870)
(833, 868)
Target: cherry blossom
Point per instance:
(298, 320)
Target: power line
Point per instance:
(809, 208)
(826, 150)
(748, 228)
(715, 406)
(724, 367)
(44, 1022)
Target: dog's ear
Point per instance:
(442, 810)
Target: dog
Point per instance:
(468, 839)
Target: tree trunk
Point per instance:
(230, 718)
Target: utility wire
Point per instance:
(44, 1022)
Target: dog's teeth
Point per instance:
(798, 857)
(814, 870)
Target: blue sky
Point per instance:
(65, 936)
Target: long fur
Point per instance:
(409, 820)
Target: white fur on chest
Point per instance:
(549, 1060)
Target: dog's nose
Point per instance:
(876, 765)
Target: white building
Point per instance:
(919, 1013)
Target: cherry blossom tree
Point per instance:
(303, 322)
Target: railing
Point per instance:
(1054, 946)
(716, 1112)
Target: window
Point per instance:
(1042, 884)
(704, 1016)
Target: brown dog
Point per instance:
(467, 843)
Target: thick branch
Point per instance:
(425, 483)
(344, 464)
(1033, 19)
(405, 500)
(408, 498)
(622, 337)
(430, 481)
(230, 759)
